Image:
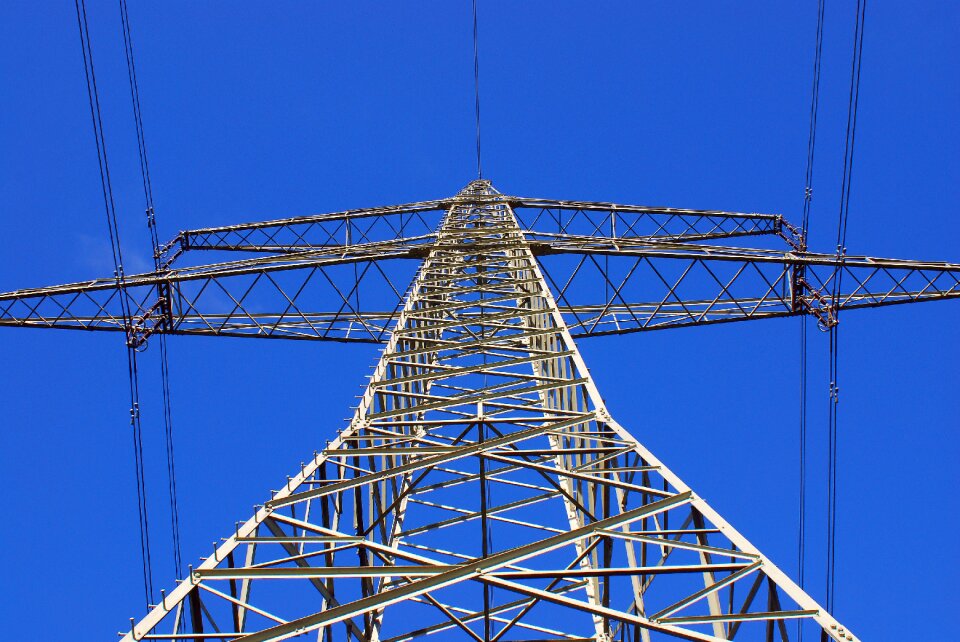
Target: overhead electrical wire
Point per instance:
(115, 246)
(845, 190)
(476, 85)
(807, 203)
(812, 134)
(155, 241)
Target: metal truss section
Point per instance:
(614, 268)
(482, 491)
(545, 219)
(266, 297)
(410, 223)
(613, 287)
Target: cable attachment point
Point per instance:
(159, 316)
(816, 303)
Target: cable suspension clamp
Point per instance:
(158, 317)
(834, 392)
(167, 253)
(810, 300)
(794, 236)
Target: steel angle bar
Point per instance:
(319, 539)
(621, 571)
(740, 617)
(470, 616)
(624, 219)
(201, 237)
(739, 571)
(468, 570)
(224, 635)
(467, 321)
(762, 286)
(319, 572)
(517, 202)
(587, 607)
(569, 473)
(464, 478)
(427, 462)
(245, 605)
(493, 392)
(676, 543)
(724, 253)
(469, 515)
(162, 303)
(444, 372)
(449, 614)
(210, 242)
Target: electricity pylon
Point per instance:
(482, 491)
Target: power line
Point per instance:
(802, 500)
(832, 470)
(807, 203)
(476, 85)
(113, 229)
(852, 105)
(812, 134)
(155, 241)
(843, 217)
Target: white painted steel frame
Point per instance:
(392, 532)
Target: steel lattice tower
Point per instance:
(482, 491)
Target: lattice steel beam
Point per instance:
(410, 222)
(628, 268)
(264, 297)
(549, 219)
(613, 287)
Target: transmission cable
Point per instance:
(157, 256)
(807, 202)
(843, 217)
(476, 85)
(125, 306)
(812, 134)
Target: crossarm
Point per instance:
(544, 219)
(412, 222)
(613, 290)
(340, 296)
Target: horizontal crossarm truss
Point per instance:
(544, 219)
(613, 286)
(539, 219)
(278, 296)
(614, 268)
(410, 223)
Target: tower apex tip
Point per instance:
(479, 186)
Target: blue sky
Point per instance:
(259, 111)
